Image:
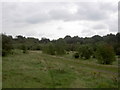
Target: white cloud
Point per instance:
(43, 19)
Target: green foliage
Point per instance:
(32, 46)
(24, 48)
(57, 48)
(60, 47)
(70, 47)
(117, 49)
(45, 40)
(49, 49)
(85, 51)
(0, 45)
(6, 45)
(30, 43)
(105, 54)
(76, 55)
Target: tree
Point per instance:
(60, 47)
(0, 45)
(24, 48)
(96, 38)
(117, 48)
(6, 45)
(45, 40)
(105, 54)
(118, 37)
(68, 39)
(49, 49)
(20, 39)
(117, 45)
(85, 51)
(110, 39)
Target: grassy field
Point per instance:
(38, 70)
(0, 72)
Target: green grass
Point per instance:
(38, 70)
(0, 72)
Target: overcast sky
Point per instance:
(58, 19)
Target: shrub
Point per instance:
(53, 48)
(49, 49)
(6, 45)
(117, 49)
(59, 50)
(85, 51)
(105, 54)
(24, 48)
(60, 47)
(76, 55)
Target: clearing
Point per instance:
(38, 70)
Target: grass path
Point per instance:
(110, 69)
(50, 73)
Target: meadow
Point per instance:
(38, 70)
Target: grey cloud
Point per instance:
(0, 17)
(41, 12)
(119, 16)
(113, 27)
(111, 7)
(17, 15)
(85, 11)
(91, 11)
(99, 26)
(37, 18)
(59, 14)
(112, 24)
(24, 12)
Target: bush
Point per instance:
(54, 48)
(105, 54)
(76, 55)
(85, 51)
(117, 49)
(59, 50)
(24, 48)
(60, 47)
(6, 45)
(49, 49)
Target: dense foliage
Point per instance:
(76, 55)
(85, 51)
(6, 45)
(24, 48)
(86, 47)
(49, 49)
(105, 54)
(57, 48)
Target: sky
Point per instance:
(55, 20)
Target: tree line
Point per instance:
(100, 47)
